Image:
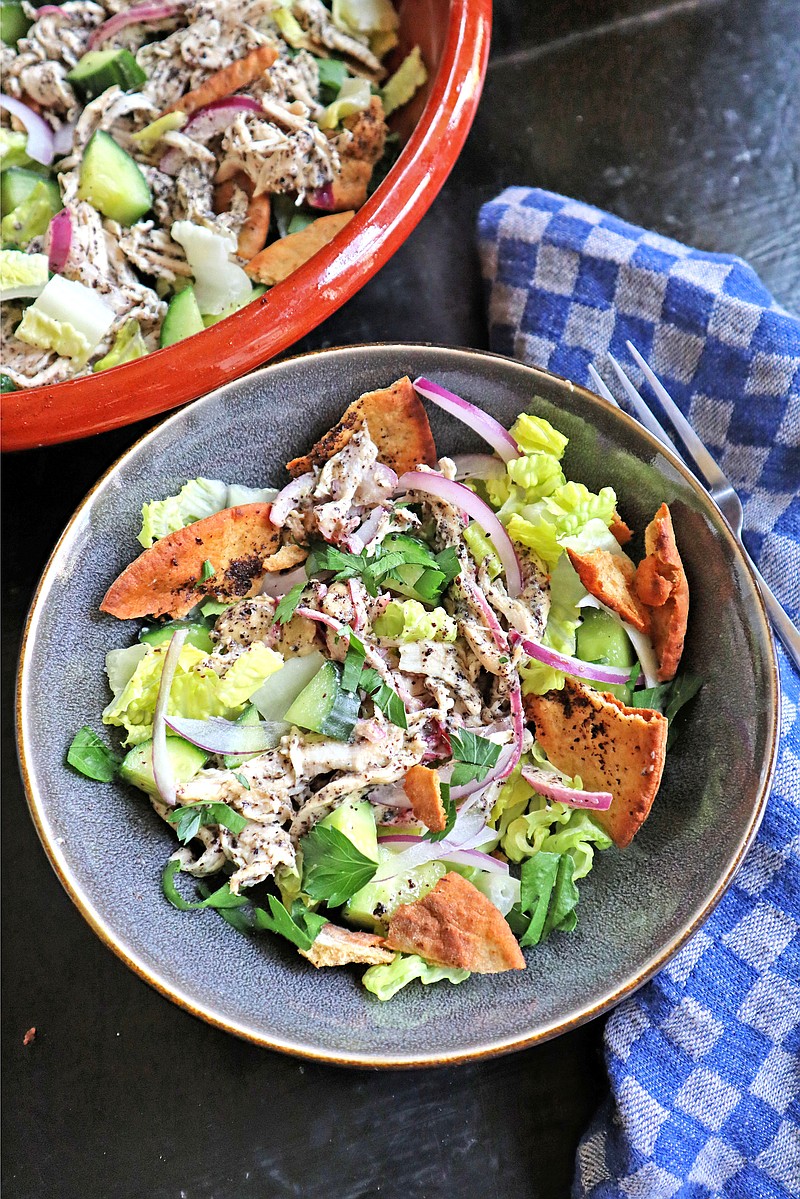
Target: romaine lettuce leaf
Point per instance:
(386, 981)
(354, 96)
(408, 620)
(365, 16)
(533, 434)
(406, 81)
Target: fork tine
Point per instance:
(601, 388)
(643, 413)
(705, 463)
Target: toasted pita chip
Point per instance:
(398, 424)
(612, 748)
(423, 789)
(619, 529)
(335, 946)
(284, 256)
(609, 578)
(286, 557)
(225, 82)
(348, 189)
(456, 925)
(661, 584)
(168, 578)
(253, 233)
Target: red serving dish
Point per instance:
(454, 38)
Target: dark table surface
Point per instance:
(682, 115)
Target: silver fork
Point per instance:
(716, 482)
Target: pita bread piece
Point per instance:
(662, 585)
(422, 787)
(612, 748)
(456, 925)
(619, 529)
(398, 424)
(334, 946)
(610, 578)
(284, 256)
(368, 131)
(167, 579)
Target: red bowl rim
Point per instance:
(77, 408)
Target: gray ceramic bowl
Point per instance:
(637, 906)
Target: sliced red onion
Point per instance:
(371, 655)
(162, 767)
(59, 240)
(573, 666)
(359, 608)
(365, 535)
(140, 14)
(322, 198)
(479, 421)
(479, 599)
(63, 136)
(468, 832)
(219, 736)
(205, 124)
(477, 466)
(39, 146)
(288, 497)
(540, 780)
(464, 857)
(50, 10)
(276, 584)
(392, 795)
(461, 497)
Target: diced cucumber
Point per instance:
(182, 320)
(112, 182)
(357, 822)
(16, 185)
(212, 318)
(323, 707)
(13, 22)
(274, 698)
(32, 216)
(197, 634)
(101, 69)
(601, 638)
(185, 760)
(373, 905)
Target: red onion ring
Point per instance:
(140, 14)
(598, 801)
(322, 198)
(371, 655)
(573, 666)
(204, 124)
(63, 136)
(39, 146)
(276, 584)
(286, 499)
(477, 466)
(479, 421)
(464, 857)
(365, 535)
(462, 498)
(162, 767)
(219, 736)
(59, 240)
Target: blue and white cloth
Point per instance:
(704, 1062)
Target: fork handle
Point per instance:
(781, 623)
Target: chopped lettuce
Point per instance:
(291, 29)
(128, 346)
(408, 620)
(407, 79)
(22, 275)
(365, 16)
(14, 150)
(68, 318)
(538, 475)
(30, 218)
(148, 137)
(354, 96)
(386, 981)
(534, 434)
(197, 691)
(219, 283)
(120, 665)
(548, 899)
(196, 499)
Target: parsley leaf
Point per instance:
(92, 757)
(206, 571)
(189, 819)
(669, 698)
(223, 898)
(450, 812)
(300, 926)
(448, 563)
(548, 898)
(353, 664)
(384, 697)
(333, 867)
(475, 756)
(286, 608)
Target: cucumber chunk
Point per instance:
(112, 182)
(357, 822)
(185, 760)
(13, 22)
(182, 320)
(374, 905)
(601, 638)
(32, 216)
(197, 634)
(101, 69)
(212, 318)
(324, 707)
(16, 185)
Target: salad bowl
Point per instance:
(638, 905)
(453, 37)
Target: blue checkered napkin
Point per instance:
(704, 1062)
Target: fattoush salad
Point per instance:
(163, 163)
(392, 710)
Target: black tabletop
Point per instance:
(682, 115)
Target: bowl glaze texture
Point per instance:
(637, 906)
(454, 38)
